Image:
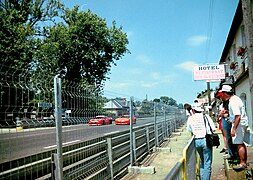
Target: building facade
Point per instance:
(238, 66)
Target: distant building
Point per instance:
(117, 106)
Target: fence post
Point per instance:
(170, 128)
(134, 147)
(58, 119)
(165, 124)
(53, 165)
(155, 127)
(147, 135)
(131, 132)
(109, 150)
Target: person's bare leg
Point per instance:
(246, 153)
(242, 150)
(224, 133)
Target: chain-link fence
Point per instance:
(97, 136)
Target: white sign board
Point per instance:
(44, 104)
(209, 72)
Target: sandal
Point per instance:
(223, 150)
(239, 167)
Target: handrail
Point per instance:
(186, 167)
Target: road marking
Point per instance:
(111, 133)
(70, 142)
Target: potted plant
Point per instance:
(240, 51)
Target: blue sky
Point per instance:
(166, 38)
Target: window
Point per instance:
(243, 98)
(234, 53)
(243, 37)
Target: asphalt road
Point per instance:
(18, 144)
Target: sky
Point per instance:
(166, 39)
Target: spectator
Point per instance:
(197, 126)
(237, 116)
(188, 109)
(226, 128)
(219, 121)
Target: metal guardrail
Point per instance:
(187, 167)
(101, 158)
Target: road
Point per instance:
(28, 142)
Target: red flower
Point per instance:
(233, 65)
(240, 51)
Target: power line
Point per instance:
(209, 30)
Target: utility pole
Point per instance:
(209, 98)
(248, 24)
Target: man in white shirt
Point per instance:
(197, 126)
(239, 120)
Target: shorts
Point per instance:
(225, 124)
(239, 134)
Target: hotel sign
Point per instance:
(209, 72)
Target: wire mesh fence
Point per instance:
(28, 128)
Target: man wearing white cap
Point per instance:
(237, 115)
(199, 127)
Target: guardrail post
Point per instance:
(134, 147)
(175, 123)
(165, 124)
(58, 119)
(155, 127)
(52, 166)
(170, 127)
(147, 135)
(109, 150)
(131, 132)
(164, 130)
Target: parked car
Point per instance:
(100, 120)
(124, 119)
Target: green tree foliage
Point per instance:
(36, 45)
(157, 100)
(146, 108)
(19, 25)
(180, 106)
(168, 101)
(164, 99)
(83, 48)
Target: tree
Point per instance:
(172, 102)
(147, 107)
(168, 100)
(84, 48)
(19, 25)
(156, 100)
(164, 99)
(180, 106)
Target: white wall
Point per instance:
(244, 87)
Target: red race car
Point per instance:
(100, 120)
(125, 119)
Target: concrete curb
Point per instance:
(141, 170)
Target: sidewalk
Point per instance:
(163, 161)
